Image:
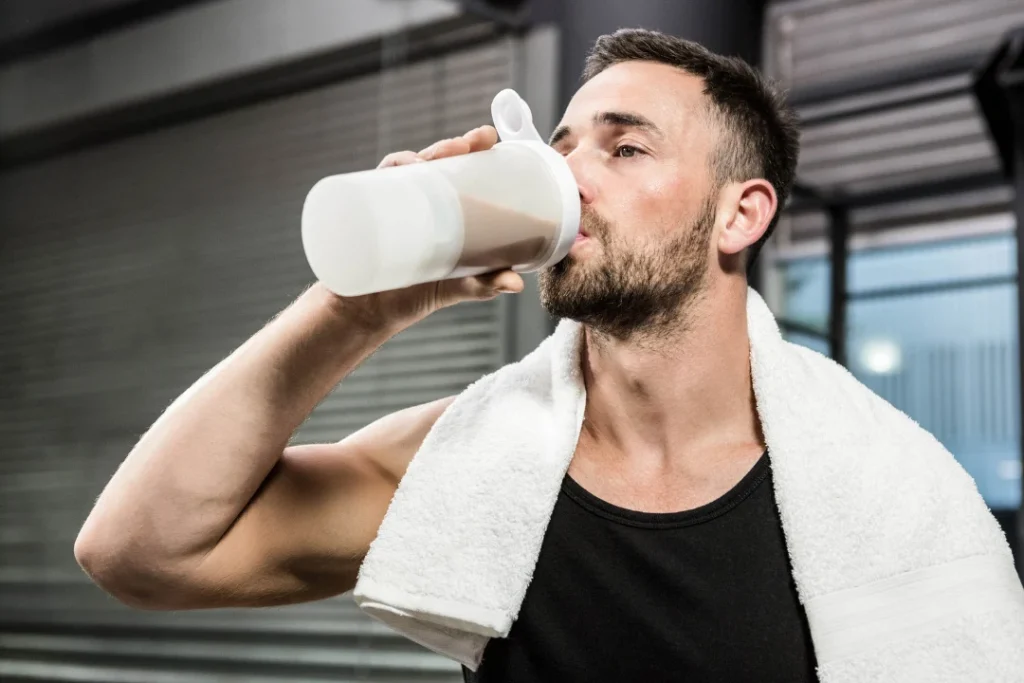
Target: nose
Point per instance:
(582, 170)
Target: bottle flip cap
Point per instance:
(514, 122)
(513, 118)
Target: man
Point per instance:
(664, 558)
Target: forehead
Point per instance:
(670, 97)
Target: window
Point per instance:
(806, 286)
(933, 329)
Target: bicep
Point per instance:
(304, 534)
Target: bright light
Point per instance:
(881, 357)
(1010, 470)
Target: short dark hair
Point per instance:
(762, 138)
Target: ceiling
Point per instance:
(30, 27)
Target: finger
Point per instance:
(446, 148)
(505, 281)
(481, 138)
(399, 159)
(465, 289)
(429, 149)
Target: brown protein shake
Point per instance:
(496, 236)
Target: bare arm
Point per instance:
(210, 490)
(211, 509)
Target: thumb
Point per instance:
(479, 287)
(502, 281)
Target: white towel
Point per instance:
(902, 570)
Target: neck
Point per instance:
(674, 400)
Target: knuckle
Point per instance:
(398, 158)
(431, 150)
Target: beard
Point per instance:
(631, 291)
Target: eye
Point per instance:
(627, 151)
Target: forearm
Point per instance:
(193, 472)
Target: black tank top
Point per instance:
(623, 596)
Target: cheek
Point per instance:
(663, 202)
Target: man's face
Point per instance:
(638, 139)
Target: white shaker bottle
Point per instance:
(514, 206)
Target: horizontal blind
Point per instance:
(130, 269)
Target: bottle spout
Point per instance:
(513, 118)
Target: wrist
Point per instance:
(356, 312)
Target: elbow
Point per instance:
(125, 574)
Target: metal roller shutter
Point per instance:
(129, 269)
(825, 46)
(882, 88)
(912, 142)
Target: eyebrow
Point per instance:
(612, 118)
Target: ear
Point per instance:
(750, 207)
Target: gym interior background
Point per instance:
(153, 161)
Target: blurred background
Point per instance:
(154, 156)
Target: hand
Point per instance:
(411, 304)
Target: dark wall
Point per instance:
(29, 28)
(731, 27)
(1008, 521)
